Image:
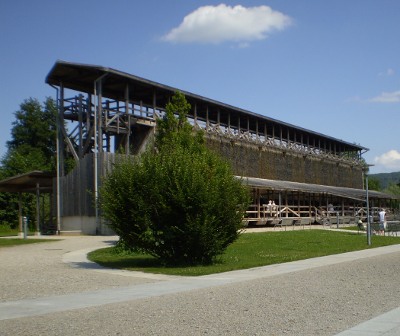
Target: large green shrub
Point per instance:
(180, 202)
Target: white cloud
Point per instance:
(387, 97)
(216, 24)
(390, 161)
(354, 99)
(389, 72)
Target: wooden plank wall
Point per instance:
(78, 186)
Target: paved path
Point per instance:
(320, 296)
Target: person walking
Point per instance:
(382, 221)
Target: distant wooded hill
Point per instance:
(386, 178)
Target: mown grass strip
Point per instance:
(6, 231)
(7, 242)
(250, 250)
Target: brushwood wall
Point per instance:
(272, 163)
(247, 159)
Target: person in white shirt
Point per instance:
(382, 221)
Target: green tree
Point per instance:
(32, 147)
(394, 189)
(180, 202)
(374, 184)
(174, 127)
(33, 138)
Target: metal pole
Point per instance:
(97, 138)
(368, 219)
(95, 154)
(337, 219)
(25, 223)
(58, 152)
(37, 209)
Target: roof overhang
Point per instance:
(28, 182)
(82, 77)
(350, 193)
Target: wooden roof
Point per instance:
(350, 193)
(28, 182)
(82, 77)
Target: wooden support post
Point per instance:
(20, 229)
(280, 204)
(100, 117)
(258, 204)
(37, 209)
(342, 207)
(128, 118)
(298, 204)
(60, 126)
(286, 205)
(80, 121)
(257, 128)
(265, 132)
(195, 115)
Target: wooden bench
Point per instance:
(289, 221)
(392, 227)
(306, 221)
(346, 220)
(276, 222)
(296, 221)
(283, 222)
(363, 227)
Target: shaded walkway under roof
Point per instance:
(350, 193)
(32, 182)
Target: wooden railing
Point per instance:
(325, 215)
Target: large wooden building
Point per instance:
(307, 175)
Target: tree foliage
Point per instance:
(374, 184)
(393, 189)
(179, 202)
(32, 147)
(171, 129)
(33, 138)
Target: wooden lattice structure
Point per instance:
(102, 110)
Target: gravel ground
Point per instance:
(37, 270)
(319, 301)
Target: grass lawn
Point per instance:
(6, 231)
(5, 242)
(251, 250)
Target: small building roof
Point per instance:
(28, 182)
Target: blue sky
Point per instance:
(330, 66)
